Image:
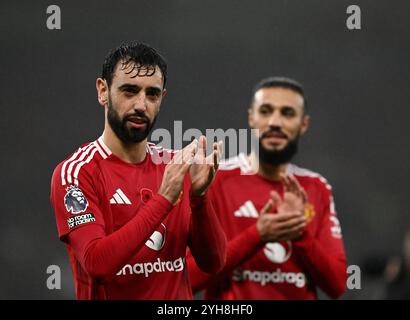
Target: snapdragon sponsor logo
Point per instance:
(146, 268)
(265, 277)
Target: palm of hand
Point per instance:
(291, 202)
(202, 173)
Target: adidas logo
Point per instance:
(119, 198)
(247, 210)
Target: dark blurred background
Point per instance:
(357, 84)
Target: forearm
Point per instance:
(326, 269)
(207, 238)
(239, 249)
(103, 256)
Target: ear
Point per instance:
(251, 121)
(164, 93)
(102, 91)
(305, 123)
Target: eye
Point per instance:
(131, 91)
(264, 110)
(153, 93)
(288, 112)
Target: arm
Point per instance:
(323, 256)
(268, 228)
(207, 239)
(101, 255)
(239, 250)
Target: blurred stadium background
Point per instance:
(356, 82)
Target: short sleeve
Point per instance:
(76, 205)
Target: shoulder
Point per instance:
(309, 177)
(81, 164)
(321, 186)
(233, 167)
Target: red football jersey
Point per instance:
(95, 189)
(283, 270)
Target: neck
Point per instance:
(266, 170)
(128, 152)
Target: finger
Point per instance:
(283, 217)
(186, 164)
(188, 157)
(220, 146)
(297, 229)
(292, 198)
(293, 184)
(301, 191)
(267, 207)
(285, 182)
(201, 148)
(203, 145)
(187, 154)
(296, 185)
(215, 160)
(177, 158)
(217, 155)
(210, 160)
(275, 198)
(304, 196)
(190, 150)
(268, 216)
(291, 224)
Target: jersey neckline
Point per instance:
(114, 157)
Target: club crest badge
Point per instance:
(309, 212)
(74, 200)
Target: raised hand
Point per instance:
(204, 168)
(289, 220)
(283, 225)
(294, 196)
(172, 181)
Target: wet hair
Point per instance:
(137, 58)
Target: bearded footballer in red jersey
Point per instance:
(126, 216)
(284, 238)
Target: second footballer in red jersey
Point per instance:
(284, 236)
(126, 216)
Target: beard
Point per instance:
(278, 157)
(120, 128)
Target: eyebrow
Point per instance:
(155, 90)
(271, 106)
(129, 86)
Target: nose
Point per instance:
(275, 119)
(140, 103)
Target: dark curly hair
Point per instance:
(138, 58)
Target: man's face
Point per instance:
(133, 101)
(278, 113)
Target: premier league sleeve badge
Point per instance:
(74, 200)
